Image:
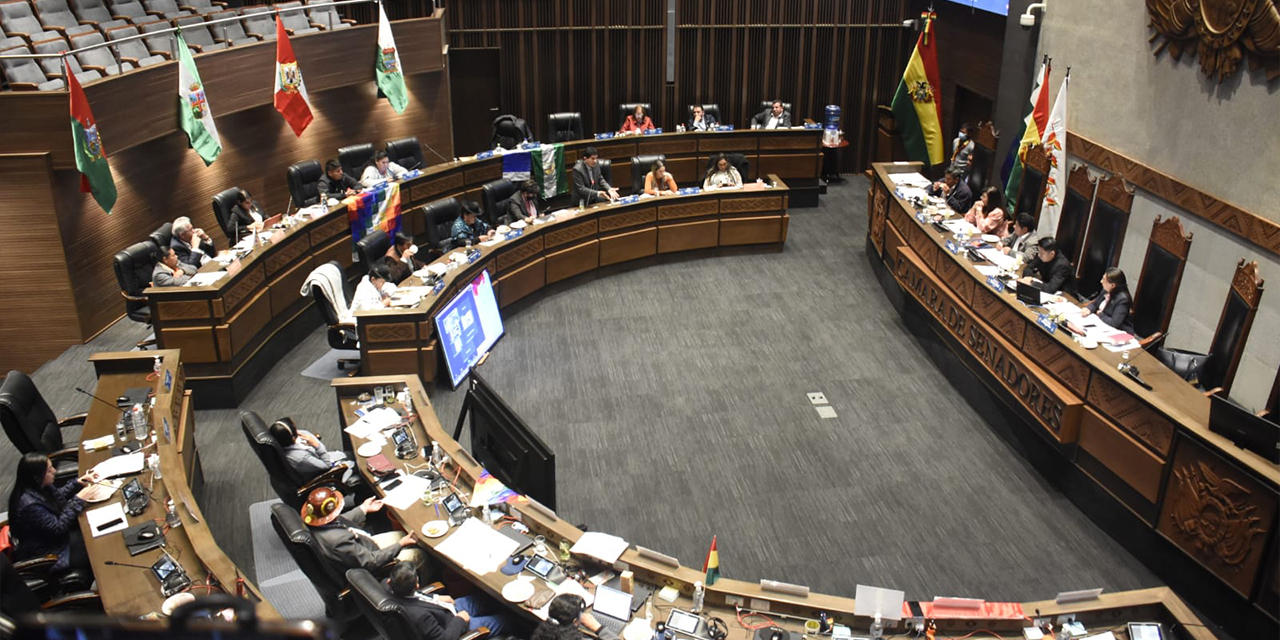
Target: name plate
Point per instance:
(531, 145)
(652, 132)
(812, 125)
(995, 283)
(922, 217)
(409, 175)
(605, 136)
(953, 247)
(1047, 323)
(724, 127)
(688, 191)
(484, 154)
(628, 199)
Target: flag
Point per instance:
(1055, 142)
(387, 66)
(916, 105)
(1033, 125)
(544, 165)
(712, 565)
(194, 113)
(91, 157)
(378, 208)
(291, 93)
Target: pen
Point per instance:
(437, 506)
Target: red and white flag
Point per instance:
(291, 93)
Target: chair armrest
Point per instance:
(77, 601)
(220, 4)
(92, 22)
(69, 453)
(95, 67)
(158, 14)
(23, 86)
(348, 20)
(331, 477)
(481, 632)
(133, 61)
(198, 48)
(128, 19)
(69, 421)
(55, 76)
(167, 55)
(1213, 392)
(188, 8)
(35, 565)
(1154, 338)
(431, 588)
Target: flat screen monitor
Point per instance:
(1246, 430)
(504, 444)
(994, 6)
(468, 327)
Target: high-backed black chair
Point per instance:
(305, 551)
(509, 132)
(1217, 368)
(564, 126)
(304, 182)
(27, 586)
(606, 169)
(642, 165)
(288, 485)
(32, 426)
(492, 195)
(1073, 217)
(710, 108)
(1157, 287)
(341, 336)
(223, 202)
(739, 161)
(627, 108)
(371, 248)
(440, 216)
(982, 162)
(1035, 171)
(163, 235)
(1272, 409)
(354, 157)
(133, 267)
(786, 106)
(407, 152)
(1107, 226)
(380, 608)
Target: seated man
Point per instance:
(589, 185)
(381, 169)
(1023, 239)
(701, 120)
(344, 543)
(522, 205)
(303, 451)
(772, 118)
(439, 617)
(469, 228)
(955, 189)
(1052, 269)
(192, 245)
(169, 272)
(336, 185)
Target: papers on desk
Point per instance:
(314, 211)
(987, 271)
(108, 519)
(120, 465)
(436, 269)
(205, 279)
(372, 422)
(408, 493)
(601, 546)
(519, 224)
(568, 586)
(910, 180)
(999, 259)
(1095, 330)
(492, 243)
(912, 193)
(95, 444)
(478, 547)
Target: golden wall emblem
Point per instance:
(1222, 32)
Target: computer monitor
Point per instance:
(1245, 429)
(468, 327)
(504, 444)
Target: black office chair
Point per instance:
(493, 195)
(509, 132)
(353, 158)
(786, 106)
(380, 608)
(407, 152)
(163, 235)
(440, 216)
(32, 426)
(292, 488)
(28, 587)
(305, 551)
(627, 108)
(304, 182)
(341, 336)
(371, 249)
(606, 169)
(710, 108)
(564, 126)
(223, 203)
(133, 267)
(640, 166)
(739, 161)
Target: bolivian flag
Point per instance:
(1035, 123)
(916, 105)
(712, 566)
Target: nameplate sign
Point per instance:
(995, 283)
(1046, 323)
(1054, 406)
(953, 247)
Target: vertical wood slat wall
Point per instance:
(590, 55)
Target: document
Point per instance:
(601, 546)
(910, 180)
(372, 422)
(95, 444)
(408, 493)
(108, 519)
(120, 465)
(478, 547)
(205, 279)
(999, 259)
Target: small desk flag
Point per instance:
(712, 566)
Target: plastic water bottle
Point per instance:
(138, 418)
(156, 366)
(699, 594)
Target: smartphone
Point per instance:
(540, 566)
(684, 622)
(1145, 631)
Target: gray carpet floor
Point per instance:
(674, 398)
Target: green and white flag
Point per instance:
(387, 66)
(194, 114)
(544, 165)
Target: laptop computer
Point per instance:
(1028, 294)
(612, 608)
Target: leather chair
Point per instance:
(564, 126)
(440, 216)
(28, 587)
(1107, 226)
(304, 182)
(642, 165)
(163, 235)
(627, 108)
(406, 152)
(765, 105)
(32, 426)
(223, 203)
(1035, 170)
(606, 170)
(1219, 365)
(288, 485)
(341, 336)
(371, 248)
(1272, 409)
(305, 551)
(509, 132)
(710, 108)
(1074, 214)
(492, 195)
(133, 267)
(982, 162)
(381, 609)
(1157, 287)
(738, 160)
(353, 158)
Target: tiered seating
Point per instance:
(327, 17)
(55, 15)
(23, 74)
(202, 7)
(258, 22)
(98, 59)
(197, 34)
(232, 31)
(134, 51)
(294, 19)
(18, 20)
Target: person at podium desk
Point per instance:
(722, 175)
(335, 185)
(304, 452)
(589, 185)
(772, 118)
(658, 182)
(988, 215)
(954, 188)
(523, 205)
(44, 515)
(566, 613)
(701, 121)
(1022, 242)
(380, 170)
(192, 245)
(246, 214)
(440, 617)
(374, 290)
(1112, 304)
(637, 122)
(402, 258)
(170, 272)
(1052, 269)
(469, 229)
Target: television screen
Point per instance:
(994, 6)
(507, 447)
(468, 327)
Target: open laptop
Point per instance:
(1028, 294)
(612, 608)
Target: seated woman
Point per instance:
(564, 614)
(1112, 304)
(43, 516)
(380, 169)
(722, 175)
(637, 122)
(246, 216)
(303, 451)
(402, 258)
(658, 182)
(469, 229)
(988, 215)
(374, 290)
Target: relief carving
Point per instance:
(1214, 513)
(1223, 32)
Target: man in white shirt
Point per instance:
(374, 290)
(381, 169)
(1023, 239)
(193, 246)
(772, 118)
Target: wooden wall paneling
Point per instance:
(628, 245)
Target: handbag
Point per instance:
(1189, 365)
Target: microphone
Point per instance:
(432, 150)
(125, 564)
(113, 407)
(416, 163)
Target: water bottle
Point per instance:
(699, 594)
(153, 461)
(436, 454)
(138, 419)
(156, 366)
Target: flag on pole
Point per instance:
(1055, 141)
(195, 116)
(712, 565)
(916, 105)
(291, 94)
(387, 66)
(91, 157)
(544, 165)
(1033, 125)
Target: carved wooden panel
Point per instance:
(739, 144)
(518, 283)
(628, 219)
(1116, 403)
(1116, 191)
(616, 149)
(389, 332)
(336, 224)
(390, 362)
(762, 230)
(196, 343)
(899, 219)
(434, 189)
(662, 146)
(182, 310)
(248, 321)
(954, 276)
(285, 290)
(879, 202)
(688, 210)
(920, 242)
(744, 205)
(493, 171)
(688, 235)
(520, 253)
(573, 261)
(792, 141)
(1217, 514)
(1171, 236)
(1121, 455)
(285, 256)
(577, 231)
(1058, 360)
(1222, 32)
(1007, 321)
(249, 282)
(631, 245)
(1247, 283)
(790, 166)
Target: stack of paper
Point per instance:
(478, 547)
(601, 546)
(408, 493)
(120, 465)
(113, 513)
(95, 444)
(373, 422)
(909, 180)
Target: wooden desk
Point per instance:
(1112, 610)
(130, 591)
(1149, 452)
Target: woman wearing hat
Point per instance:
(344, 542)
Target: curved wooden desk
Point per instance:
(129, 591)
(1149, 468)
(789, 611)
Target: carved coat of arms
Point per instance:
(1222, 32)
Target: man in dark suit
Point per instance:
(701, 121)
(955, 189)
(335, 184)
(1022, 242)
(1052, 269)
(345, 544)
(589, 186)
(522, 205)
(439, 617)
(772, 118)
(169, 272)
(193, 246)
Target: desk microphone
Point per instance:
(126, 564)
(416, 163)
(432, 150)
(113, 406)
